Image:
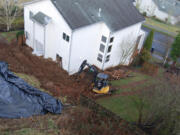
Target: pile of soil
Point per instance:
(50, 75)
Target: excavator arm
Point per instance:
(100, 79)
(91, 68)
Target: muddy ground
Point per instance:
(74, 120)
(50, 75)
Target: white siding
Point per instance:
(124, 40)
(151, 9)
(54, 42)
(147, 6)
(85, 45)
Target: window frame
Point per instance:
(111, 40)
(104, 39)
(27, 35)
(100, 57)
(31, 15)
(65, 37)
(109, 48)
(102, 49)
(107, 58)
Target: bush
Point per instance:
(166, 65)
(144, 14)
(149, 41)
(175, 51)
(20, 33)
(145, 56)
(150, 69)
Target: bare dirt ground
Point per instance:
(51, 77)
(74, 120)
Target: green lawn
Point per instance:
(125, 105)
(164, 26)
(9, 36)
(135, 77)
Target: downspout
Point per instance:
(70, 51)
(107, 45)
(44, 40)
(34, 36)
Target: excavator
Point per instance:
(100, 80)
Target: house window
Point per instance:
(107, 58)
(100, 57)
(30, 15)
(103, 39)
(111, 39)
(66, 37)
(26, 35)
(109, 48)
(102, 47)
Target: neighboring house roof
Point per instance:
(171, 7)
(116, 14)
(41, 18)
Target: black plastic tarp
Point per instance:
(18, 99)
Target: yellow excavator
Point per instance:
(100, 80)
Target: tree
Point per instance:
(9, 11)
(149, 41)
(175, 51)
(158, 108)
(168, 48)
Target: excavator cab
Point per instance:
(100, 80)
(101, 85)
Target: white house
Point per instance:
(104, 32)
(165, 10)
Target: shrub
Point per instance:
(144, 14)
(20, 33)
(149, 41)
(166, 65)
(150, 69)
(175, 51)
(145, 56)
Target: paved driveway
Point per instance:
(160, 42)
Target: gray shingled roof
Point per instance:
(117, 14)
(171, 7)
(41, 18)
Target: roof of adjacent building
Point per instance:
(116, 14)
(41, 18)
(171, 7)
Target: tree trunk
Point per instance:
(8, 28)
(166, 56)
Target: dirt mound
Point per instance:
(51, 77)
